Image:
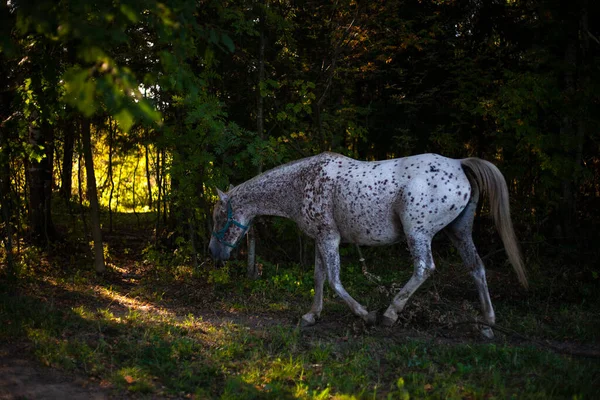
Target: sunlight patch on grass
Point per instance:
(131, 303)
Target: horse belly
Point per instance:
(368, 223)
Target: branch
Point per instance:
(591, 35)
(13, 115)
(336, 52)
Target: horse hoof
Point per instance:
(487, 333)
(387, 321)
(307, 320)
(371, 318)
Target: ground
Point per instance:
(24, 378)
(147, 330)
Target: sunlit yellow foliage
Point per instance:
(128, 189)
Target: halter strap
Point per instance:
(220, 234)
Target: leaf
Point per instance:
(129, 13)
(129, 379)
(228, 42)
(213, 38)
(124, 119)
(149, 111)
(80, 90)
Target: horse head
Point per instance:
(229, 227)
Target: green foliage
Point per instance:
(371, 81)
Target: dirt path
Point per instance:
(21, 378)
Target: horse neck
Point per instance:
(267, 194)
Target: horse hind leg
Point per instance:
(310, 318)
(420, 249)
(460, 233)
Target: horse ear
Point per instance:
(222, 196)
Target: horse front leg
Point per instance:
(329, 251)
(420, 249)
(311, 317)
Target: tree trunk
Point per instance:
(80, 189)
(67, 162)
(158, 185)
(137, 164)
(119, 186)
(573, 127)
(110, 175)
(148, 180)
(191, 222)
(93, 197)
(164, 187)
(6, 221)
(5, 202)
(252, 270)
(40, 189)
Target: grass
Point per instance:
(175, 332)
(156, 353)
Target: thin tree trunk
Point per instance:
(119, 186)
(17, 202)
(80, 188)
(573, 124)
(583, 109)
(5, 202)
(300, 249)
(67, 162)
(148, 180)
(191, 222)
(137, 164)
(93, 197)
(158, 204)
(6, 219)
(566, 201)
(110, 175)
(252, 270)
(204, 213)
(49, 184)
(40, 175)
(164, 187)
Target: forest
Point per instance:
(119, 120)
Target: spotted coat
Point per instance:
(334, 199)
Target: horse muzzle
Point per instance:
(218, 251)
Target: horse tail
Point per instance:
(491, 181)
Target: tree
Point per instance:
(92, 196)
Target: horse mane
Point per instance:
(268, 173)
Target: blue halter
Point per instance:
(220, 234)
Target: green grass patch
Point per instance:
(214, 334)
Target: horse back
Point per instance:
(375, 202)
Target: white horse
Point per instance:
(336, 199)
